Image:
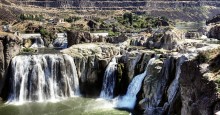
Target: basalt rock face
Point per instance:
(134, 63)
(199, 95)
(160, 93)
(178, 86)
(118, 39)
(214, 32)
(172, 9)
(78, 37)
(141, 41)
(9, 47)
(91, 61)
(128, 4)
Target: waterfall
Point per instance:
(42, 77)
(128, 101)
(109, 80)
(38, 43)
(174, 86)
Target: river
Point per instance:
(70, 106)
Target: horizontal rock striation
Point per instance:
(172, 9)
(118, 5)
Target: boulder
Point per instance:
(166, 39)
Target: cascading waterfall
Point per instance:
(109, 80)
(128, 101)
(38, 43)
(42, 77)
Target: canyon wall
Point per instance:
(9, 47)
(174, 10)
(118, 5)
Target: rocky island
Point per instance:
(138, 57)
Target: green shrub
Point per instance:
(202, 58)
(71, 19)
(44, 32)
(120, 68)
(31, 17)
(113, 34)
(28, 50)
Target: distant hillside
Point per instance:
(119, 4)
(8, 11)
(187, 10)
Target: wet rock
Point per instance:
(141, 41)
(160, 88)
(91, 61)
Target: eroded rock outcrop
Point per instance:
(198, 94)
(118, 39)
(214, 32)
(76, 37)
(9, 47)
(166, 39)
(91, 61)
(193, 35)
(180, 86)
(160, 88)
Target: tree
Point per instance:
(129, 17)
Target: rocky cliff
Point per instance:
(214, 32)
(180, 86)
(183, 82)
(9, 47)
(114, 5)
(172, 9)
(198, 93)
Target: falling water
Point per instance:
(109, 80)
(38, 43)
(42, 77)
(128, 101)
